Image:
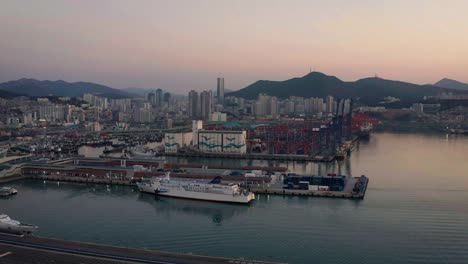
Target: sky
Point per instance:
(182, 45)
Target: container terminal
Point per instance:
(294, 139)
(291, 138)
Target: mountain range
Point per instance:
(9, 95)
(316, 84)
(141, 92)
(32, 87)
(452, 84)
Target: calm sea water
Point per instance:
(415, 211)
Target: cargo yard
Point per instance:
(294, 139)
(318, 186)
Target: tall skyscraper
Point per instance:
(220, 90)
(158, 97)
(205, 105)
(167, 97)
(347, 106)
(330, 104)
(317, 105)
(151, 97)
(261, 105)
(273, 106)
(193, 107)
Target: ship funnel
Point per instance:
(216, 180)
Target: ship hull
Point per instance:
(17, 230)
(243, 199)
(6, 191)
(146, 188)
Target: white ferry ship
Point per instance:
(207, 191)
(8, 225)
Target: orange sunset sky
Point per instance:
(183, 45)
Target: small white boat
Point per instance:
(139, 151)
(5, 191)
(8, 225)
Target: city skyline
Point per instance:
(178, 46)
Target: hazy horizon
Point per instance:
(184, 45)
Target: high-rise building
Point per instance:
(52, 112)
(193, 105)
(102, 102)
(167, 97)
(330, 104)
(220, 90)
(266, 106)
(261, 105)
(123, 105)
(142, 115)
(347, 106)
(151, 98)
(273, 106)
(90, 99)
(158, 98)
(205, 105)
(317, 105)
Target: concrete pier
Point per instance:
(32, 250)
(346, 193)
(260, 188)
(223, 167)
(61, 178)
(254, 156)
(11, 174)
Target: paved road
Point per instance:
(32, 250)
(22, 255)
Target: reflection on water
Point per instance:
(342, 167)
(217, 212)
(75, 190)
(415, 211)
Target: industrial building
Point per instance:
(174, 141)
(221, 141)
(218, 141)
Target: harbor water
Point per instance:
(415, 210)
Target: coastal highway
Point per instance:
(31, 249)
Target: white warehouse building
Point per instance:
(221, 141)
(174, 141)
